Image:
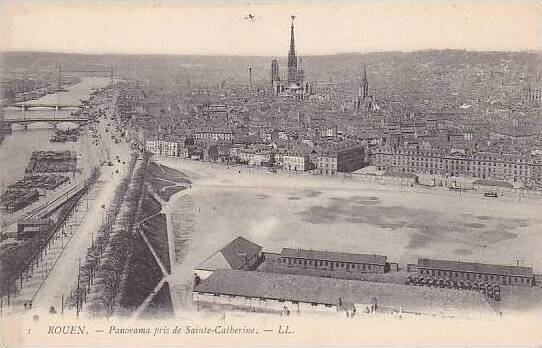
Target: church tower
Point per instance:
(363, 89)
(275, 71)
(292, 59)
(300, 72)
(364, 84)
(359, 98)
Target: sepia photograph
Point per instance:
(270, 173)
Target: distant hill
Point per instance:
(234, 69)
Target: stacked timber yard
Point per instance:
(46, 171)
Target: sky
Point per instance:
(182, 27)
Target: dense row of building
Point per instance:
(330, 158)
(331, 127)
(334, 157)
(525, 168)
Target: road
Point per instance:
(63, 276)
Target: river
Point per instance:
(17, 147)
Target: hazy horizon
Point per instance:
(269, 56)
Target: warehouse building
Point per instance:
(476, 272)
(274, 292)
(336, 262)
(340, 158)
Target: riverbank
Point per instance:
(61, 274)
(17, 147)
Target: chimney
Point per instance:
(250, 77)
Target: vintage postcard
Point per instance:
(270, 173)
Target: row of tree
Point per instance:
(103, 271)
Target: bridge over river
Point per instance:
(30, 106)
(54, 121)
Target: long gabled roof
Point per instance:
(334, 256)
(475, 267)
(332, 291)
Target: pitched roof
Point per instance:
(214, 262)
(334, 256)
(238, 251)
(322, 290)
(476, 267)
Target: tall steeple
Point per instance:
(363, 87)
(364, 84)
(292, 40)
(292, 59)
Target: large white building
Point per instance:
(162, 147)
(254, 158)
(479, 165)
(295, 162)
(214, 135)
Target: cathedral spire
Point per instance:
(292, 40)
(364, 83)
(292, 59)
